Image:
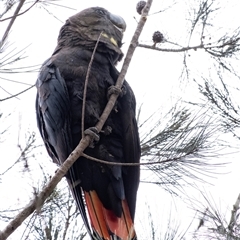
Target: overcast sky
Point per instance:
(154, 77)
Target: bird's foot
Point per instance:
(124, 91)
(107, 130)
(115, 90)
(94, 135)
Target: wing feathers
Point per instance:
(108, 191)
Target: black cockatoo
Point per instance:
(108, 192)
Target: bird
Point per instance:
(105, 194)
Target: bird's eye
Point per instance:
(100, 12)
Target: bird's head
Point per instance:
(84, 28)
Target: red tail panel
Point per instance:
(95, 213)
(105, 223)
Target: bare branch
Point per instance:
(17, 94)
(38, 201)
(86, 82)
(125, 66)
(16, 14)
(9, 4)
(13, 18)
(182, 49)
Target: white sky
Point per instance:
(154, 77)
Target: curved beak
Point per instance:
(118, 22)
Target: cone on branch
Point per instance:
(157, 37)
(140, 6)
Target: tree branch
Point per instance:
(13, 18)
(126, 63)
(16, 14)
(38, 201)
(17, 94)
(86, 83)
(183, 49)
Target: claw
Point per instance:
(115, 90)
(124, 91)
(94, 135)
(107, 130)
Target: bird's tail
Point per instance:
(105, 224)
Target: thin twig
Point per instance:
(125, 66)
(86, 83)
(10, 80)
(163, 10)
(183, 49)
(19, 14)
(7, 92)
(38, 201)
(17, 94)
(130, 164)
(58, 5)
(13, 18)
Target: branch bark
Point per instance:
(39, 199)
